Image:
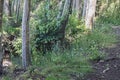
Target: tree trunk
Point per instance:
(1, 13)
(25, 35)
(78, 8)
(1, 51)
(17, 11)
(73, 5)
(90, 13)
(7, 11)
(84, 9)
(61, 6)
(7, 7)
(65, 15)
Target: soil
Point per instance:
(109, 67)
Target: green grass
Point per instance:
(6, 78)
(74, 62)
(100, 37)
(60, 65)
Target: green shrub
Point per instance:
(74, 27)
(45, 27)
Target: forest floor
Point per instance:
(109, 67)
(104, 69)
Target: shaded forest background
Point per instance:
(54, 39)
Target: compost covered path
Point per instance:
(109, 68)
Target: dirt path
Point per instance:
(108, 69)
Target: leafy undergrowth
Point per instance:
(63, 65)
(68, 64)
(90, 44)
(60, 66)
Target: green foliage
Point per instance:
(11, 30)
(6, 78)
(11, 24)
(90, 43)
(61, 64)
(17, 46)
(74, 27)
(111, 14)
(45, 26)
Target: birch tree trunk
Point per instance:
(84, 9)
(90, 13)
(1, 13)
(7, 7)
(25, 35)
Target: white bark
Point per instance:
(7, 7)
(84, 8)
(78, 7)
(73, 5)
(25, 35)
(90, 13)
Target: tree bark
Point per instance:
(90, 13)
(7, 7)
(61, 6)
(1, 13)
(84, 9)
(73, 5)
(65, 15)
(18, 10)
(25, 35)
(78, 8)
(1, 51)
